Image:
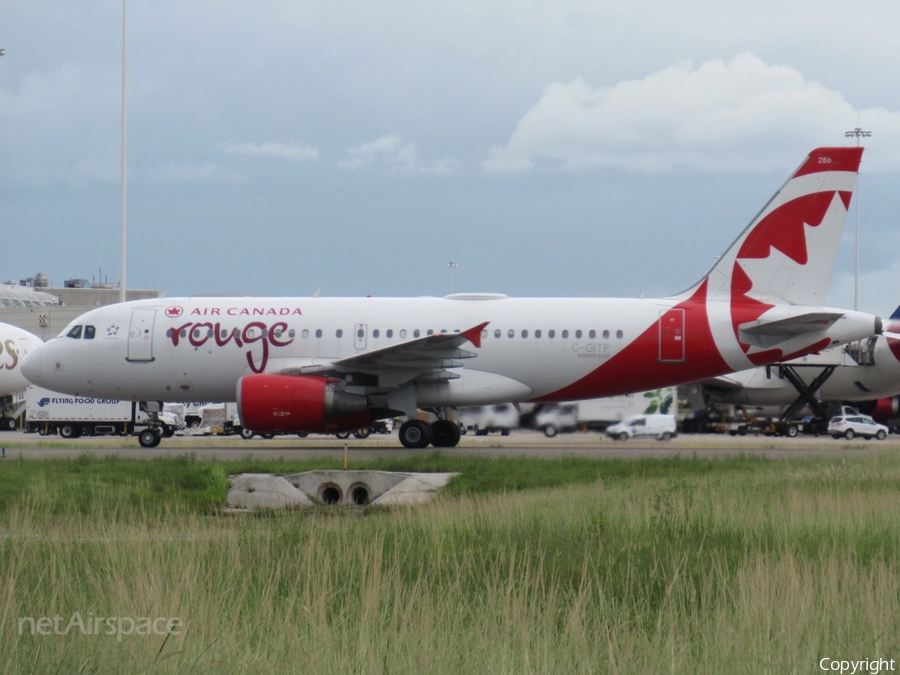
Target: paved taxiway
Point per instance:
(518, 444)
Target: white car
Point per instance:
(658, 426)
(850, 426)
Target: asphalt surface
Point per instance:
(517, 444)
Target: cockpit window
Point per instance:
(89, 332)
(74, 333)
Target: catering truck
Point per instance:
(49, 412)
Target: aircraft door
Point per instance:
(671, 335)
(140, 335)
(360, 332)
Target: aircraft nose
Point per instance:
(32, 365)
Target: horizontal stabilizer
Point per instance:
(767, 334)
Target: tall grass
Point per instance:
(760, 567)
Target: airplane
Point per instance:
(15, 343)
(336, 364)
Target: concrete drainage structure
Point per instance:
(335, 488)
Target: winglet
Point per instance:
(473, 335)
(896, 315)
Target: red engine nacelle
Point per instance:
(292, 403)
(883, 410)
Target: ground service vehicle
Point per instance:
(657, 426)
(597, 414)
(850, 426)
(49, 412)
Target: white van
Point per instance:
(658, 426)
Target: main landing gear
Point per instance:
(416, 434)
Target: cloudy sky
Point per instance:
(550, 149)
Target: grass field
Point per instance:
(738, 565)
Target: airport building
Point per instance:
(40, 308)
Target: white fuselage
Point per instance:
(15, 343)
(191, 349)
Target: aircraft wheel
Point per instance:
(302, 434)
(849, 434)
(268, 437)
(444, 434)
(343, 435)
(148, 438)
(881, 435)
(247, 434)
(415, 434)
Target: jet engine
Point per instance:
(298, 403)
(884, 410)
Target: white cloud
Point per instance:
(740, 115)
(391, 153)
(186, 172)
(289, 151)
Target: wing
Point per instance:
(427, 359)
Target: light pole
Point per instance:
(122, 284)
(452, 266)
(857, 133)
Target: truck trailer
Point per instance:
(49, 412)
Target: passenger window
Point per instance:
(416, 333)
(183, 333)
(390, 332)
(75, 333)
(524, 333)
(619, 334)
(565, 333)
(551, 334)
(318, 332)
(430, 332)
(605, 334)
(484, 333)
(89, 332)
(497, 333)
(403, 332)
(537, 333)
(592, 334)
(305, 333)
(511, 333)
(291, 333)
(376, 333)
(578, 334)
(339, 333)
